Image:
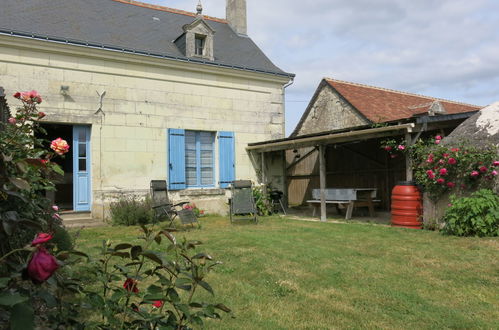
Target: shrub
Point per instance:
(262, 200)
(131, 211)
(150, 285)
(477, 215)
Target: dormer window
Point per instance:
(199, 43)
(197, 40)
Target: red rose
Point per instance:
(452, 161)
(451, 184)
(42, 265)
(441, 181)
(443, 171)
(157, 303)
(41, 238)
(483, 169)
(131, 285)
(41, 114)
(17, 95)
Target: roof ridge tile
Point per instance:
(168, 9)
(398, 92)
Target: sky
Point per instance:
(441, 48)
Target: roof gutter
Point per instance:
(89, 44)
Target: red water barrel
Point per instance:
(407, 205)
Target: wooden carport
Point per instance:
(410, 131)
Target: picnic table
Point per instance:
(345, 198)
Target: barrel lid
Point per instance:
(406, 183)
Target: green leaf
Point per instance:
(169, 236)
(57, 169)
(154, 289)
(122, 246)
(22, 317)
(202, 256)
(153, 256)
(206, 286)
(135, 251)
(4, 281)
(7, 299)
(222, 307)
(20, 183)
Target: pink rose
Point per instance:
(430, 174)
(451, 184)
(438, 137)
(474, 174)
(393, 156)
(494, 172)
(452, 161)
(42, 265)
(440, 181)
(131, 285)
(441, 161)
(41, 238)
(443, 171)
(483, 169)
(55, 208)
(495, 163)
(401, 147)
(56, 216)
(454, 149)
(449, 205)
(437, 141)
(12, 120)
(446, 155)
(41, 115)
(60, 146)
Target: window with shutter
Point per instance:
(191, 157)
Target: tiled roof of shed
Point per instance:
(129, 26)
(385, 105)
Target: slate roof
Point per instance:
(129, 26)
(385, 105)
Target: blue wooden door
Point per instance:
(81, 168)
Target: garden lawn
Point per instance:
(289, 274)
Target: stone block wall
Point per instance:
(144, 97)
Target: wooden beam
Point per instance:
(408, 159)
(322, 171)
(264, 179)
(300, 159)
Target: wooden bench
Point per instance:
(347, 198)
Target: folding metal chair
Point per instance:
(242, 202)
(161, 203)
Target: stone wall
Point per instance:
(330, 111)
(144, 97)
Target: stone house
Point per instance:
(143, 92)
(348, 122)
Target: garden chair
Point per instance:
(242, 202)
(163, 207)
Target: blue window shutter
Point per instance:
(176, 159)
(226, 158)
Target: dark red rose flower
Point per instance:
(131, 285)
(41, 238)
(17, 95)
(42, 265)
(157, 303)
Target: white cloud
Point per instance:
(442, 48)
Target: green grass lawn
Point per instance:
(289, 274)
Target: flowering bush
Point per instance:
(197, 211)
(29, 293)
(443, 169)
(394, 147)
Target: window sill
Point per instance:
(201, 192)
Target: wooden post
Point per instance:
(263, 168)
(408, 159)
(322, 171)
